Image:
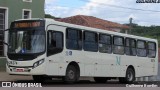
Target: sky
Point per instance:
(111, 10)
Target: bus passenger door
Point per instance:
(54, 49)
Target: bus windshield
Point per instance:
(26, 41)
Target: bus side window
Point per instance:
(118, 45)
(130, 46)
(55, 42)
(141, 48)
(151, 49)
(105, 45)
(74, 39)
(90, 42)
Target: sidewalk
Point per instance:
(6, 77)
(2, 64)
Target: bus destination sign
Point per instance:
(27, 24)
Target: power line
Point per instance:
(116, 6)
(113, 11)
(75, 8)
(146, 21)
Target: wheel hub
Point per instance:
(130, 76)
(71, 74)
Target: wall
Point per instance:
(15, 8)
(14, 12)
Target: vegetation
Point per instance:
(50, 16)
(145, 31)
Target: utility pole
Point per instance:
(130, 24)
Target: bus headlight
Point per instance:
(36, 64)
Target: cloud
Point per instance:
(100, 9)
(57, 11)
(49, 1)
(52, 8)
(121, 15)
(91, 7)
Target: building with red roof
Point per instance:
(94, 22)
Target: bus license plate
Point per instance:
(19, 69)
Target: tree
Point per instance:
(146, 31)
(50, 16)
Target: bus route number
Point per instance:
(68, 53)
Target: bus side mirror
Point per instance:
(3, 40)
(5, 43)
(6, 30)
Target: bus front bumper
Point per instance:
(26, 70)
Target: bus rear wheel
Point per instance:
(71, 75)
(38, 78)
(100, 79)
(130, 76)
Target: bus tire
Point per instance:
(100, 79)
(129, 78)
(71, 75)
(130, 75)
(38, 78)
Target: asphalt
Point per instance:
(84, 82)
(6, 77)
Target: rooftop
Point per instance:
(94, 22)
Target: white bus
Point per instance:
(45, 48)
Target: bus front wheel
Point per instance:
(71, 74)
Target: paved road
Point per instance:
(6, 77)
(84, 82)
(87, 83)
(81, 83)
